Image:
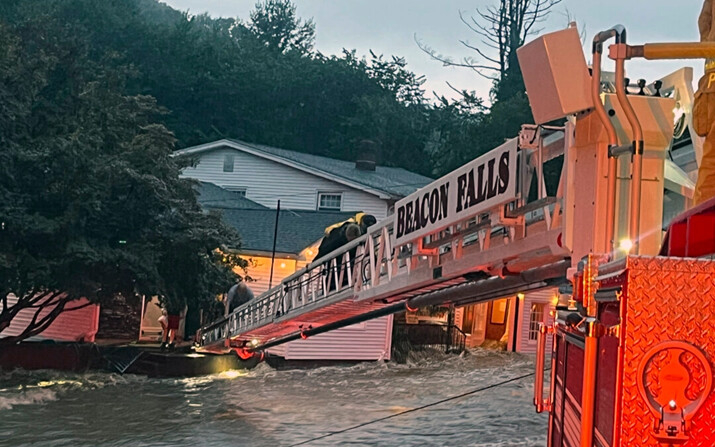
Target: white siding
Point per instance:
(354, 200)
(266, 182)
(458, 316)
(81, 324)
(523, 344)
(370, 340)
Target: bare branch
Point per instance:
(36, 327)
(449, 62)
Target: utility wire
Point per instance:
(374, 421)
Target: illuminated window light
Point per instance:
(283, 265)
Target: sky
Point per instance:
(391, 27)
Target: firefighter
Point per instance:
(704, 110)
(238, 294)
(341, 233)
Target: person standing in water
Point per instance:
(238, 294)
(167, 334)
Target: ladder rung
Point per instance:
(464, 233)
(529, 207)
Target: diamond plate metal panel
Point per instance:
(666, 299)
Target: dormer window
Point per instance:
(228, 163)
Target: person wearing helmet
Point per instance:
(340, 234)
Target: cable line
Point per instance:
(459, 396)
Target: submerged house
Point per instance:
(244, 182)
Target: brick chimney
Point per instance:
(367, 156)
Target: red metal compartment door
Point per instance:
(557, 394)
(574, 389)
(566, 424)
(606, 376)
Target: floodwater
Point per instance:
(268, 407)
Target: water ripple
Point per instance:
(267, 407)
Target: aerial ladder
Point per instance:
(633, 336)
(481, 232)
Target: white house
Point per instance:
(245, 181)
(300, 181)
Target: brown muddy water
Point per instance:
(268, 407)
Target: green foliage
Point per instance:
(91, 203)
(259, 81)
(274, 23)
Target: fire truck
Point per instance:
(634, 337)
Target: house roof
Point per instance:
(385, 182)
(255, 223)
(213, 196)
(297, 229)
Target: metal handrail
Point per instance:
(449, 338)
(540, 403)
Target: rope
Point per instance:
(459, 396)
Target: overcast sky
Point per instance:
(391, 26)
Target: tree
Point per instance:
(502, 29)
(91, 203)
(274, 23)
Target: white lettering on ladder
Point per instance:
(484, 183)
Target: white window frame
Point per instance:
(240, 190)
(227, 164)
(327, 193)
(537, 313)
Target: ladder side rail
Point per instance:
(358, 275)
(341, 266)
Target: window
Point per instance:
(228, 163)
(240, 190)
(498, 311)
(329, 201)
(536, 316)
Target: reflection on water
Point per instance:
(267, 407)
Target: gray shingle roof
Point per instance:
(255, 223)
(396, 182)
(213, 196)
(296, 228)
